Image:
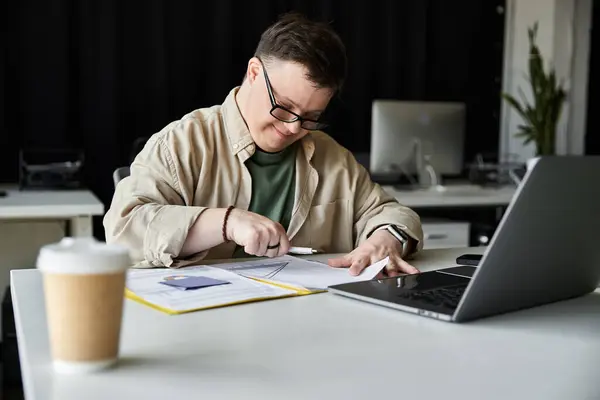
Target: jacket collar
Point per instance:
(240, 141)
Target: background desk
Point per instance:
(77, 207)
(30, 219)
(463, 215)
(456, 195)
(327, 347)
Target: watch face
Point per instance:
(403, 234)
(398, 233)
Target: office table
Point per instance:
(30, 219)
(76, 206)
(455, 195)
(323, 346)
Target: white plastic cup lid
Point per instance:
(83, 256)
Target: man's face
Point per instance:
(291, 91)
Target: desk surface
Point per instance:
(327, 347)
(456, 195)
(48, 203)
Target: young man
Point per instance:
(256, 174)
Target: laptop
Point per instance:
(545, 249)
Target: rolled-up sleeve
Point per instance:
(149, 212)
(374, 207)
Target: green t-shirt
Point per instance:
(273, 186)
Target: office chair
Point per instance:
(123, 172)
(119, 174)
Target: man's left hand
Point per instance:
(381, 244)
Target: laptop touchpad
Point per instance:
(463, 270)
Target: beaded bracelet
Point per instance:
(225, 223)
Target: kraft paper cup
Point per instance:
(84, 285)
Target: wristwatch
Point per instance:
(398, 234)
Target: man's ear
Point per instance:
(254, 68)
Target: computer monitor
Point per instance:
(397, 127)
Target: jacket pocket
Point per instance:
(331, 227)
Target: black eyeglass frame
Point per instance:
(274, 106)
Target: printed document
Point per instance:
(145, 285)
(300, 273)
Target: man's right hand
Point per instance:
(257, 233)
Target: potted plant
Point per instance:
(540, 118)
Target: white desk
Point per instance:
(327, 347)
(449, 232)
(32, 218)
(456, 195)
(75, 206)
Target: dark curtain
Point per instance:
(96, 75)
(592, 135)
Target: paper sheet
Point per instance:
(296, 272)
(145, 284)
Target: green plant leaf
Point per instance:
(541, 114)
(515, 104)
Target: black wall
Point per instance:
(97, 75)
(592, 138)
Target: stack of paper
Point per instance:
(146, 287)
(300, 274)
(247, 281)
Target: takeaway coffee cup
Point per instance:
(84, 284)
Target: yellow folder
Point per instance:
(246, 281)
(144, 286)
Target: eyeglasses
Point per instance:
(285, 115)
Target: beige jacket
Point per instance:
(198, 162)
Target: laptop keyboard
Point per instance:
(445, 296)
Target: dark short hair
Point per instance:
(314, 44)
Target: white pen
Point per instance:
(302, 250)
